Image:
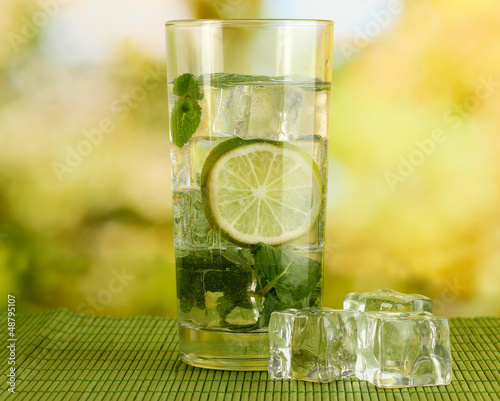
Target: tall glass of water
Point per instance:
(249, 108)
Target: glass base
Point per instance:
(224, 350)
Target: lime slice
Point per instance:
(260, 191)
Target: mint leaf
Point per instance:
(186, 113)
(185, 119)
(227, 303)
(186, 85)
(190, 281)
(272, 303)
(241, 257)
(292, 276)
(236, 282)
(286, 280)
(204, 270)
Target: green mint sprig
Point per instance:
(286, 280)
(186, 113)
(292, 276)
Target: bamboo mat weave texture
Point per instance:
(64, 356)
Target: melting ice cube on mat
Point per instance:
(403, 349)
(314, 344)
(387, 300)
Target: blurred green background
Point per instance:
(414, 197)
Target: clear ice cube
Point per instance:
(403, 349)
(266, 109)
(215, 290)
(182, 175)
(209, 106)
(231, 110)
(387, 300)
(193, 229)
(314, 344)
(281, 327)
(279, 112)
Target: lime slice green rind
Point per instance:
(260, 191)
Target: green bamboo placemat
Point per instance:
(64, 356)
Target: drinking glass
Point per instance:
(249, 105)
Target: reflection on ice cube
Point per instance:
(315, 344)
(403, 349)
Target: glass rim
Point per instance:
(246, 22)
